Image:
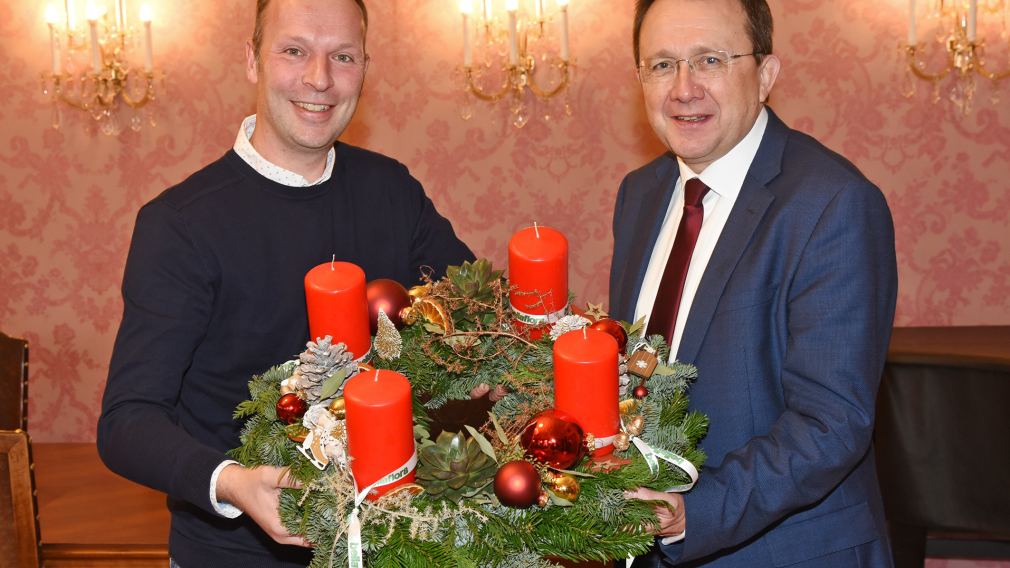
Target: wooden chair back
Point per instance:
(13, 383)
(19, 523)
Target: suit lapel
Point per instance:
(744, 219)
(653, 206)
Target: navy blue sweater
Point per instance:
(213, 293)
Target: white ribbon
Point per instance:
(601, 442)
(355, 557)
(538, 319)
(652, 457)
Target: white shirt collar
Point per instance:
(725, 176)
(244, 148)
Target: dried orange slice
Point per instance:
(432, 312)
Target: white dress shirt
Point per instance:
(724, 177)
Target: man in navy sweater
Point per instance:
(213, 283)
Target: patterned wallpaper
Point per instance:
(68, 198)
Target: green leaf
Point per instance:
(575, 473)
(498, 429)
(664, 371)
(485, 446)
(636, 327)
(332, 385)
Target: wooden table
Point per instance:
(91, 517)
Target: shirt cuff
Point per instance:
(674, 538)
(226, 510)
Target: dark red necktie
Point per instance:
(671, 288)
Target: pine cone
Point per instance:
(319, 362)
(454, 467)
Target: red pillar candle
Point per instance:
(380, 429)
(335, 297)
(538, 271)
(586, 383)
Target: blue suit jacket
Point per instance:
(789, 331)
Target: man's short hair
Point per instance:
(261, 8)
(759, 25)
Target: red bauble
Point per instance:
(517, 484)
(614, 329)
(555, 439)
(641, 391)
(291, 408)
(389, 296)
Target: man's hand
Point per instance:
(482, 389)
(672, 520)
(256, 491)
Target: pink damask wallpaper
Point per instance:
(68, 198)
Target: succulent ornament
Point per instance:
(454, 467)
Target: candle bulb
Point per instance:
(466, 7)
(538, 272)
(912, 35)
(512, 6)
(96, 55)
(71, 15)
(563, 5)
(54, 47)
(538, 7)
(380, 430)
(488, 9)
(338, 306)
(586, 383)
(972, 19)
(146, 17)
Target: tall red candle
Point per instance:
(586, 383)
(337, 306)
(380, 429)
(538, 271)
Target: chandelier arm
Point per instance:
(144, 99)
(77, 103)
(924, 75)
(477, 92)
(546, 94)
(992, 75)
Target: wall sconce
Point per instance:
(90, 70)
(957, 33)
(515, 51)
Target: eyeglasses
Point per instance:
(708, 65)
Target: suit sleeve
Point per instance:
(168, 294)
(839, 315)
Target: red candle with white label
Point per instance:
(586, 383)
(337, 306)
(538, 271)
(380, 429)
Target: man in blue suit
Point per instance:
(774, 273)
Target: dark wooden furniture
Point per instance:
(19, 529)
(13, 383)
(91, 517)
(943, 442)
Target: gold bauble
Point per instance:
(628, 406)
(622, 441)
(636, 425)
(338, 408)
(566, 487)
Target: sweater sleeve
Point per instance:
(168, 296)
(434, 242)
